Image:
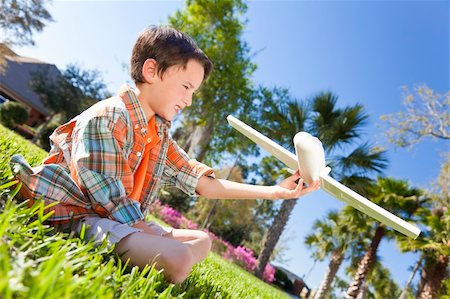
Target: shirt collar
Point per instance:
(137, 114)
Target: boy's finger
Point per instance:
(295, 176)
(299, 186)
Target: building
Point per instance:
(15, 77)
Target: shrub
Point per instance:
(13, 114)
(44, 141)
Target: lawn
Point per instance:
(36, 262)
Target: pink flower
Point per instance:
(171, 216)
(269, 273)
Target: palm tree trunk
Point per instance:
(364, 290)
(433, 273)
(365, 264)
(274, 234)
(411, 277)
(335, 262)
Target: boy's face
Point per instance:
(173, 91)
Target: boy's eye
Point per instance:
(186, 87)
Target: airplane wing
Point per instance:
(327, 183)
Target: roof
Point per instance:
(290, 275)
(19, 71)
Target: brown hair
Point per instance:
(168, 47)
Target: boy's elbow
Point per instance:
(204, 187)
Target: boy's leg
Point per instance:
(198, 241)
(175, 257)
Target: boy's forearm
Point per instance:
(223, 189)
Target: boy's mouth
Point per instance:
(177, 108)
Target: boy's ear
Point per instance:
(150, 70)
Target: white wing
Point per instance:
(328, 184)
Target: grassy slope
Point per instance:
(36, 263)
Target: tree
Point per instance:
(19, 19)
(381, 281)
(378, 282)
(332, 237)
(217, 28)
(434, 246)
(337, 128)
(427, 115)
(406, 289)
(397, 197)
(69, 94)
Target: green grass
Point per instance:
(36, 262)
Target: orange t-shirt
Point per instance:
(139, 176)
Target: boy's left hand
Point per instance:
(289, 189)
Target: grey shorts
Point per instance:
(98, 229)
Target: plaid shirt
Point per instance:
(90, 168)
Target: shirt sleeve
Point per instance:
(182, 172)
(101, 167)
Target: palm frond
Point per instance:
(364, 159)
(333, 126)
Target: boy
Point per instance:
(107, 164)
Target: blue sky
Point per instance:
(362, 51)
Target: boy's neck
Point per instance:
(142, 95)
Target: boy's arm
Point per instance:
(182, 172)
(287, 189)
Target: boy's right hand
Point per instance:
(142, 225)
(292, 187)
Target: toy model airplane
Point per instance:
(310, 159)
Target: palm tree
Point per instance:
(337, 128)
(332, 236)
(378, 282)
(406, 288)
(398, 197)
(434, 246)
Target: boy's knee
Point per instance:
(179, 264)
(177, 277)
(206, 240)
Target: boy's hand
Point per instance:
(142, 225)
(289, 189)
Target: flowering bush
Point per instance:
(218, 246)
(244, 257)
(269, 273)
(241, 255)
(172, 216)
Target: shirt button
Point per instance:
(138, 154)
(149, 140)
(136, 126)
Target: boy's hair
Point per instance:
(168, 47)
